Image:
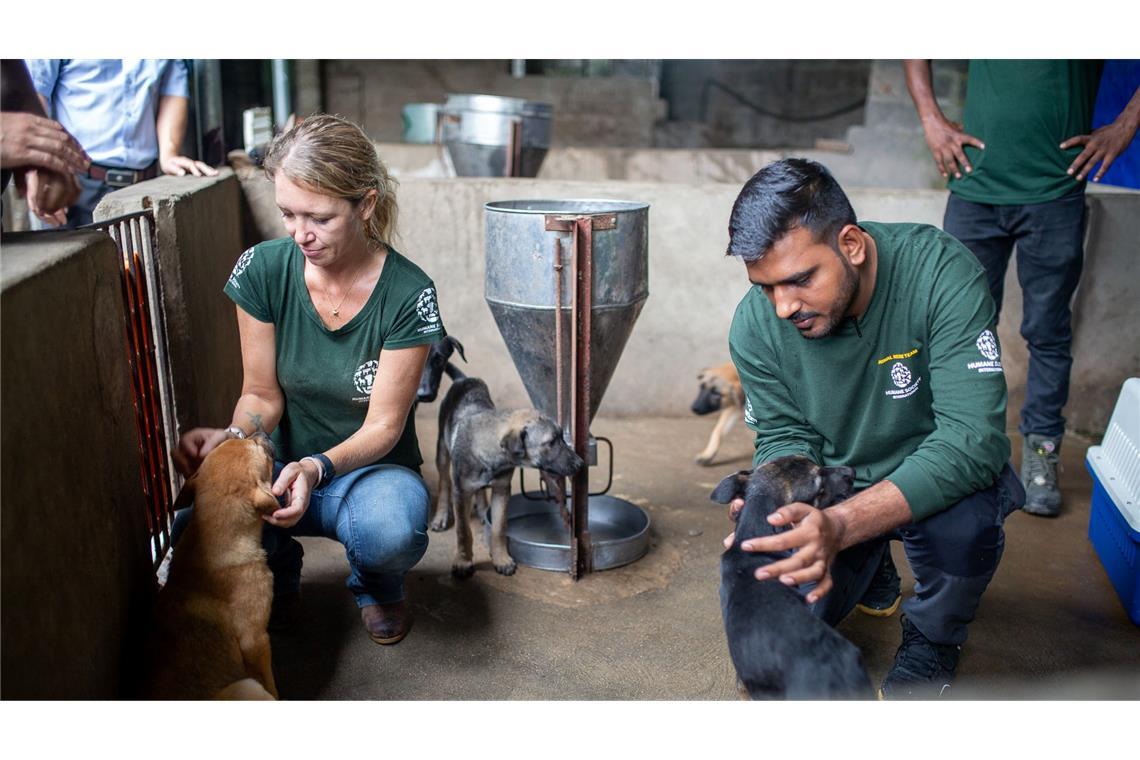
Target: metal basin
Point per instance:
(537, 537)
(477, 129)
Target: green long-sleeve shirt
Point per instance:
(913, 393)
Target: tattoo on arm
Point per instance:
(256, 420)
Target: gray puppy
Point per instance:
(480, 446)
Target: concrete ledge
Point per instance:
(75, 571)
(895, 160)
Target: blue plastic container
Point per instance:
(1114, 522)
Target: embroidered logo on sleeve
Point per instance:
(428, 310)
(988, 348)
(240, 267)
(906, 384)
(749, 417)
(363, 379)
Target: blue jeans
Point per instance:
(379, 513)
(953, 555)
(1050, 253)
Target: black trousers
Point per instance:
(953, 555)
(1049, 238)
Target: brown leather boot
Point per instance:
(386, 623)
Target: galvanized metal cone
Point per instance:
(529, 335)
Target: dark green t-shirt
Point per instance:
(915, 394)
(1022, 111)
(326, 375)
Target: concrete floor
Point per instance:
(1050, 626)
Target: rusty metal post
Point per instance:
(514, 149)
(559, 369)
(581, 231)
(581, 551)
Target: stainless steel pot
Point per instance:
(493, 136)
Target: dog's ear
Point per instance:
(186, 495)
(731, 487)
(458, 347)
(264, 501)
(836, 484)
(514, 444)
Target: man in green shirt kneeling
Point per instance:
(874, 346)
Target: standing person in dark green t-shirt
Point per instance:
(335, 327)
(871, 346)
(1019, 166)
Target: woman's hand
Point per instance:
(297, 479)
(193, 447)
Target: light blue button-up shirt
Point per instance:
(111, 105)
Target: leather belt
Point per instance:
(119, 177)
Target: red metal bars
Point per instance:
(146, 355)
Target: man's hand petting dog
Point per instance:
(815, 538)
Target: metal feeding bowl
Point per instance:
(537, 537)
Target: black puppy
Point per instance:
(437, 363)
(780, 649)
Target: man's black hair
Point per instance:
(794, 192)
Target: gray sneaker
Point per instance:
(1039, 455)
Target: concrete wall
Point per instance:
(200, 235)
(1106, 311)
(694, 288)
(373, 94)
(74, 574)
(706, 108)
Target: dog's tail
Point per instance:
(453, 372)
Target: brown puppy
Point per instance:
(720, 390)
(208, 638)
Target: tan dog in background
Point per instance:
(208, 638)
(720, 390)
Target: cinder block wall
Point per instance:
(74, 559)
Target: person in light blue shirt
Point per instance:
(129, 115)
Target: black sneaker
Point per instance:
(1040, 457)
(922, 669)
(883, 595)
